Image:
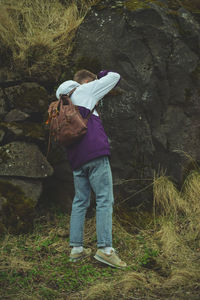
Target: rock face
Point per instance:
(151, 118)
(154, 119)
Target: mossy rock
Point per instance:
(31, 130)
(138, 4)
(191, 5)
(22, 159)
(135, 4)
(17, 210)
(196, 73)
(29, 97)
(2, 103)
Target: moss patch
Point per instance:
(32, 130)
(191, 5)
(137, 4)
(17, 211)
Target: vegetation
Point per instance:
(161, 247)
(37, 36)
(162, 254)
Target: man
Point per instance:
(89, 159)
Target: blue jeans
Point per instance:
(95, 175)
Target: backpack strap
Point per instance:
(71, 92)
(90, 113)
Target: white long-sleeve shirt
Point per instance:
(88, 94)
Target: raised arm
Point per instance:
(102, 86)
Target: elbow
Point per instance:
(116, 78)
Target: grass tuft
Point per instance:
(37, 36)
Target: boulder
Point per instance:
(20, 159)
(29, 97)
(26, 131)
(31, 188)
(22, 171)
(16, 115)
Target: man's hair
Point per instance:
(84, 75)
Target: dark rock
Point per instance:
(26, 131)
(155, 120)
(58, 188)
(19, 159)
(152, 118)
(16, 115)
(31, 188)
(14, 128)
(29, 97)
(2, 103)
(2, 134)
(17, 211)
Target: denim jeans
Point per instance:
(95, 175)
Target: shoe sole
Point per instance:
(97, 257)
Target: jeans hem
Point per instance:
(103, 245)
(76, 244)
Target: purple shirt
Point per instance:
(94, 144)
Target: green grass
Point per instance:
(162, 253)
(38, 264)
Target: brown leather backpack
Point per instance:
(66, 125)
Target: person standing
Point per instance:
(89, 159)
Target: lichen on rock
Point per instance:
(22, 159)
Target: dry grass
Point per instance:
(162, 257)
(176, 270)
(37, 36)
(180, 231)
(166, 196)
